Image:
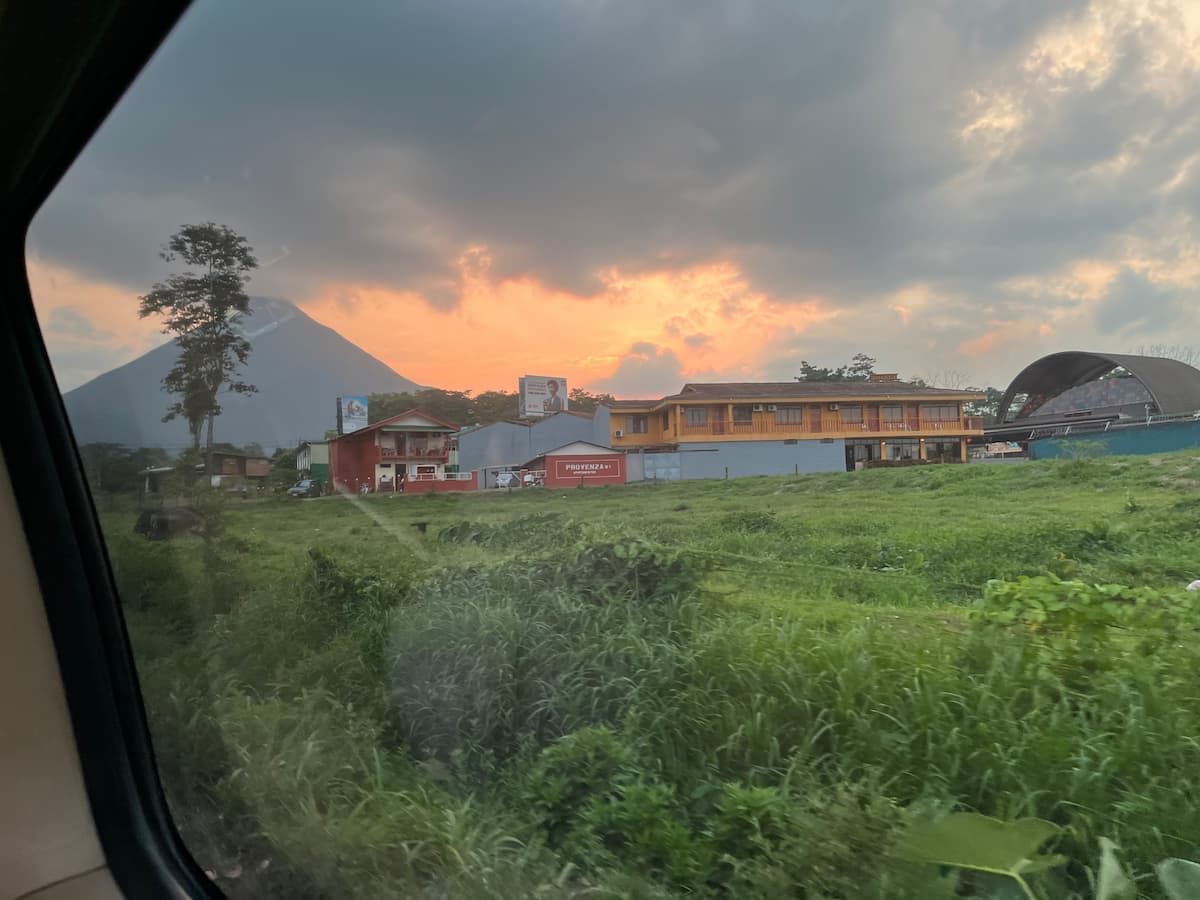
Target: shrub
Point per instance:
(634, 568)
(578, 768)
(636, 827)
(811, 842)
(1079, 629)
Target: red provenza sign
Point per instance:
(567, 470)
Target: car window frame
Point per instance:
(89, 57)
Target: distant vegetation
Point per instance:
(752, 688)
(463, 408)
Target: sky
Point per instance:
(634, 194)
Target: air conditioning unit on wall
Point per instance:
(833, 406)
(618, 433)
(771, 407)
(758, 407)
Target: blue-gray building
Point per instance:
(738, 459)
(508, 445)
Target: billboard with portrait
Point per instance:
(352, 414)
(542, 395)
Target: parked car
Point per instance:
(508, 480)
(309, 487)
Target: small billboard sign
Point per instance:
(352, 414)
(542, 395)
(591, 467)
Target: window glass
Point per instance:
(940, 413)
(789, 415)
(349, 305)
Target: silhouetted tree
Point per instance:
(586, 402)
(860, 368)
(201, 307)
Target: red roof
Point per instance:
(393, 419)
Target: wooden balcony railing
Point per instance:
(828, 425)
(414, 452)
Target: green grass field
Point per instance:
(733, 688)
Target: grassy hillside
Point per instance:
(741, 688)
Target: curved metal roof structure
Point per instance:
(1173, 386)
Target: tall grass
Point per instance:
(749, 696)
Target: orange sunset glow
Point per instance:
(707, 316)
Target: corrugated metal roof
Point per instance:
(1174, 386)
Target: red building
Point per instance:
(582, 463)
(412, 452)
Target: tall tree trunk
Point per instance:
(208, 451)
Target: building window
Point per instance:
(697, 415)
(638, 424)
(743, 415)
(904, 448)
(892, 415)
(789, 415)
(941, 413)
(943, 450)
(666, 422)
(852, 415)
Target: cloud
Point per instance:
(1132, 301)
(832, 157)
(71, 321)
(647, 370)
(74, 365)
(698, 340)
(85, 344)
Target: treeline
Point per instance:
(115, 469)
(464, 408)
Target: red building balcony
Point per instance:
(429, 453)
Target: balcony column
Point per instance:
(882, 448)
(922, 449)
(728, 429)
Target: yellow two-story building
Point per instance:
(776, 428)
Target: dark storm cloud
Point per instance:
(816, 145)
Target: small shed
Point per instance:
(582, 463)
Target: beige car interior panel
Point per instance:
(94, 885)
(48, 843)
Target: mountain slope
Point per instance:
(299, 366)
